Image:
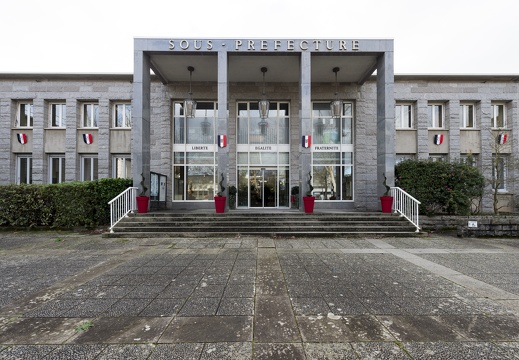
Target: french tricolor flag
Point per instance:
(501, 138)
(307, 141)
(438, 139)
(222, 141)
(22, 138)
(88, 139)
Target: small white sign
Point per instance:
(472, 224)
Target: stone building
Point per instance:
(76, 127)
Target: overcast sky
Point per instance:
(96, 36)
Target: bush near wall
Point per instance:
(66, 205)
(442, 187)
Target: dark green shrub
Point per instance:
(440, 186)
(73, 204)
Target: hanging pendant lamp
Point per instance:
(189, 103)
(336, 105)
(264, 104)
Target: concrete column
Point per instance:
(452, 116)
(422, 130)
(487, 148)
(103, 135)
(385, 121)
(222, 123)
(38, 156)
(513, 169)
(141, 119)
(305, 118)
(71, 156)
(6, 122)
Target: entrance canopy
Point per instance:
(296, 61)
(357, 59)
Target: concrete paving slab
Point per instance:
(208, 329)
(420, 328)
(277, 351)
(484, 328)
(458, 350)
(220, 298)
(39, 330)
(122, 330)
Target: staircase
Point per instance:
(278, 224)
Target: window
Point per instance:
(468, 116)
(404, 116)
(90, 115)
(58, 114)
(437, 157)
(328, 130)
(56, 169)
(122, 167)
(24, 116)
(436, 116)
(332, 175)
(194, 157)
(499, 172)
(24, 169)
(123, 115)
(254, 130)
(469, 159)
(88, 168)
(403, 157)
(498, 116)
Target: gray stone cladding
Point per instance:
(105, 89)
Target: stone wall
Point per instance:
(485, 225)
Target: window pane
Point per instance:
(25, 115)
(347, 131)
(499, 116)
(178, 183)
(470, 116)
(322, 158)
(87, 115)
(200, 130)
(200, 182)
(325, 182)
(263, 158)
(284, 130)
(25, 170)
(347, 183)
(55, 168)
(243, 130)
(200, 158)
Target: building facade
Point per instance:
(76, 127)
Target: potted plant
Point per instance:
(386, 200)
(309, 200)
(143, 201)
(232, 197)
(294, 198)
(219, 199)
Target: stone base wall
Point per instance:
(486, 225)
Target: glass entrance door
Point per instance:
(263, 187)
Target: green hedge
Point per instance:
(440, 186)
(66, 205)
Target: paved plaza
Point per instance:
(82, 296)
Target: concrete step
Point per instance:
(280, 224)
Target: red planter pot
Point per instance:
(219, 203)
(387, 203)
(309, 202)
(143, 203)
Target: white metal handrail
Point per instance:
(406, 205)
(122, 205)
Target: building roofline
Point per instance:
(129, 77)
